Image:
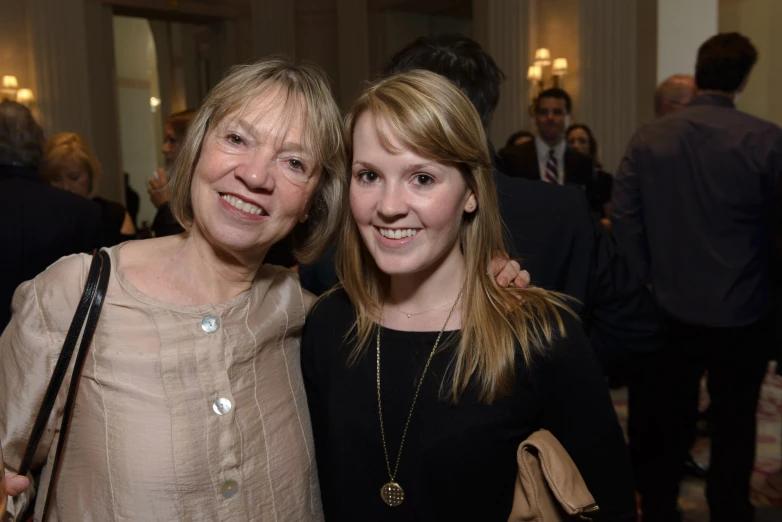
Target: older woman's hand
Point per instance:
(507, 270)
(14, 484)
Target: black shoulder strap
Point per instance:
(92, 302)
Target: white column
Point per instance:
(502, 28)
(273, 27)
(353, 45)
(682, 27)
(103, 106)
(171, 94)
(608, 74)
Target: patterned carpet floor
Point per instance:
(767, 478)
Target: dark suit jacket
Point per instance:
(565, 249)
(521, 161)
(165, 224)
(38, 225)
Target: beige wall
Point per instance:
(14, 44)
(760, 21)
(557, 30)
(682, 27)
(393, 30)
(140, 128)
(316, 40)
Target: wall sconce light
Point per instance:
(558, 70)
(154, 103)
(25, 96)
(9, 82)
(9, 88)
(535, 77)
(536, 72)
(560, 66)
(542, 57)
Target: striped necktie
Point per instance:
(552, 172)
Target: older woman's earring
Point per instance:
(305, 218)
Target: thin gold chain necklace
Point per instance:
(391, 492)
(409, 315)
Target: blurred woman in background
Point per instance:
(70, 164)
(580, 137)
(174, 132)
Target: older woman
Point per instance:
(191, 405)
(70, 164)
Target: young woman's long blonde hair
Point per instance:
(429, 115)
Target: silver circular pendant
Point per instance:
(392, 494)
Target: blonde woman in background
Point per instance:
(422, 375)
(70, 164)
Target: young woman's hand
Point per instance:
(507, 271)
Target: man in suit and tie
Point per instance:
(547, 157)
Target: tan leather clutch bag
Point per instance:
(549, 487)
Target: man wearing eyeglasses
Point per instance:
(547, 157)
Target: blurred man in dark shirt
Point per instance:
(38, 223)
(692, 210)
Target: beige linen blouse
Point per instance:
(183, 412)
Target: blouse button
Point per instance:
(210, 324)
(229, 488)
(222, 406)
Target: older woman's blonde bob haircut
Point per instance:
(69, 151)
(430, 116)
(303, 90)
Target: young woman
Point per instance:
(422, 375)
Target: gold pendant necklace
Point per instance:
(391, 492)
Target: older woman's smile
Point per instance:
(246, 207)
